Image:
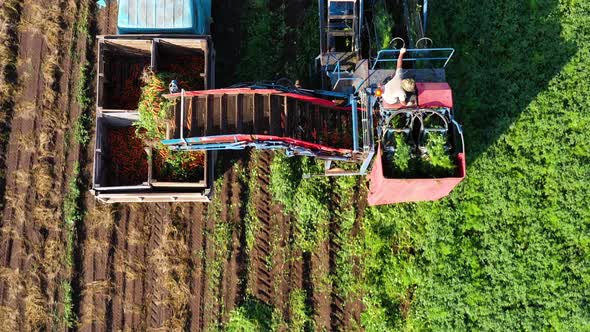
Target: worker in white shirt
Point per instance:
(400, 90)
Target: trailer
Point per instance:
(155, 36)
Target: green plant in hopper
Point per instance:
(437, 161)
(402, 156)
(153, 107)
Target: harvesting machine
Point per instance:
(346, 120)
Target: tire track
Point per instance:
(96, 278)
(156, 314)
(337, 302)
(322, 287)
(282, 256)
(134, 268)
(233, 215)
(196, 241)
(262, 280)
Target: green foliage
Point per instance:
(384, 24)
(83, 22)
(293, 48)
(399, 161)
(71, 207)
(239, 322)
(177, 166)
(82, 129)
(405, 162)
(251, 221)
(300, 319)
(82, 85)
(509, 249)
(311, 207)
(221, 237)
(307, 45)
(344, 278)
(285, 175)
(437, 162)
(68, 316)
(307, 199)
(253, 316)
(266, 27)
(73, 214)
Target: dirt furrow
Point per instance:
(354, 304)
(337, 302)
(34, 158)
(137, 257)
(18, 164)
(195, 222)
(322, 288)
(158, 220)
(97, 279)
(10, 17)
(133, 267)
(50, 164)
(261, 277)
(118, 242)
(233, 214)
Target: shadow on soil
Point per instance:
(506, 53)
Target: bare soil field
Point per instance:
(39, 157)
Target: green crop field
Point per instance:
(510, 248)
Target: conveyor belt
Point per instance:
(232, 112)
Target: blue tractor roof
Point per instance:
(164, 17)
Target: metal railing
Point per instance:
(414, 53)
(424, 15)
(382, 59)
(337, 71)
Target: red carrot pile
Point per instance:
(128, 164)
(126, 96)
(187, 69)
(131, 91)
